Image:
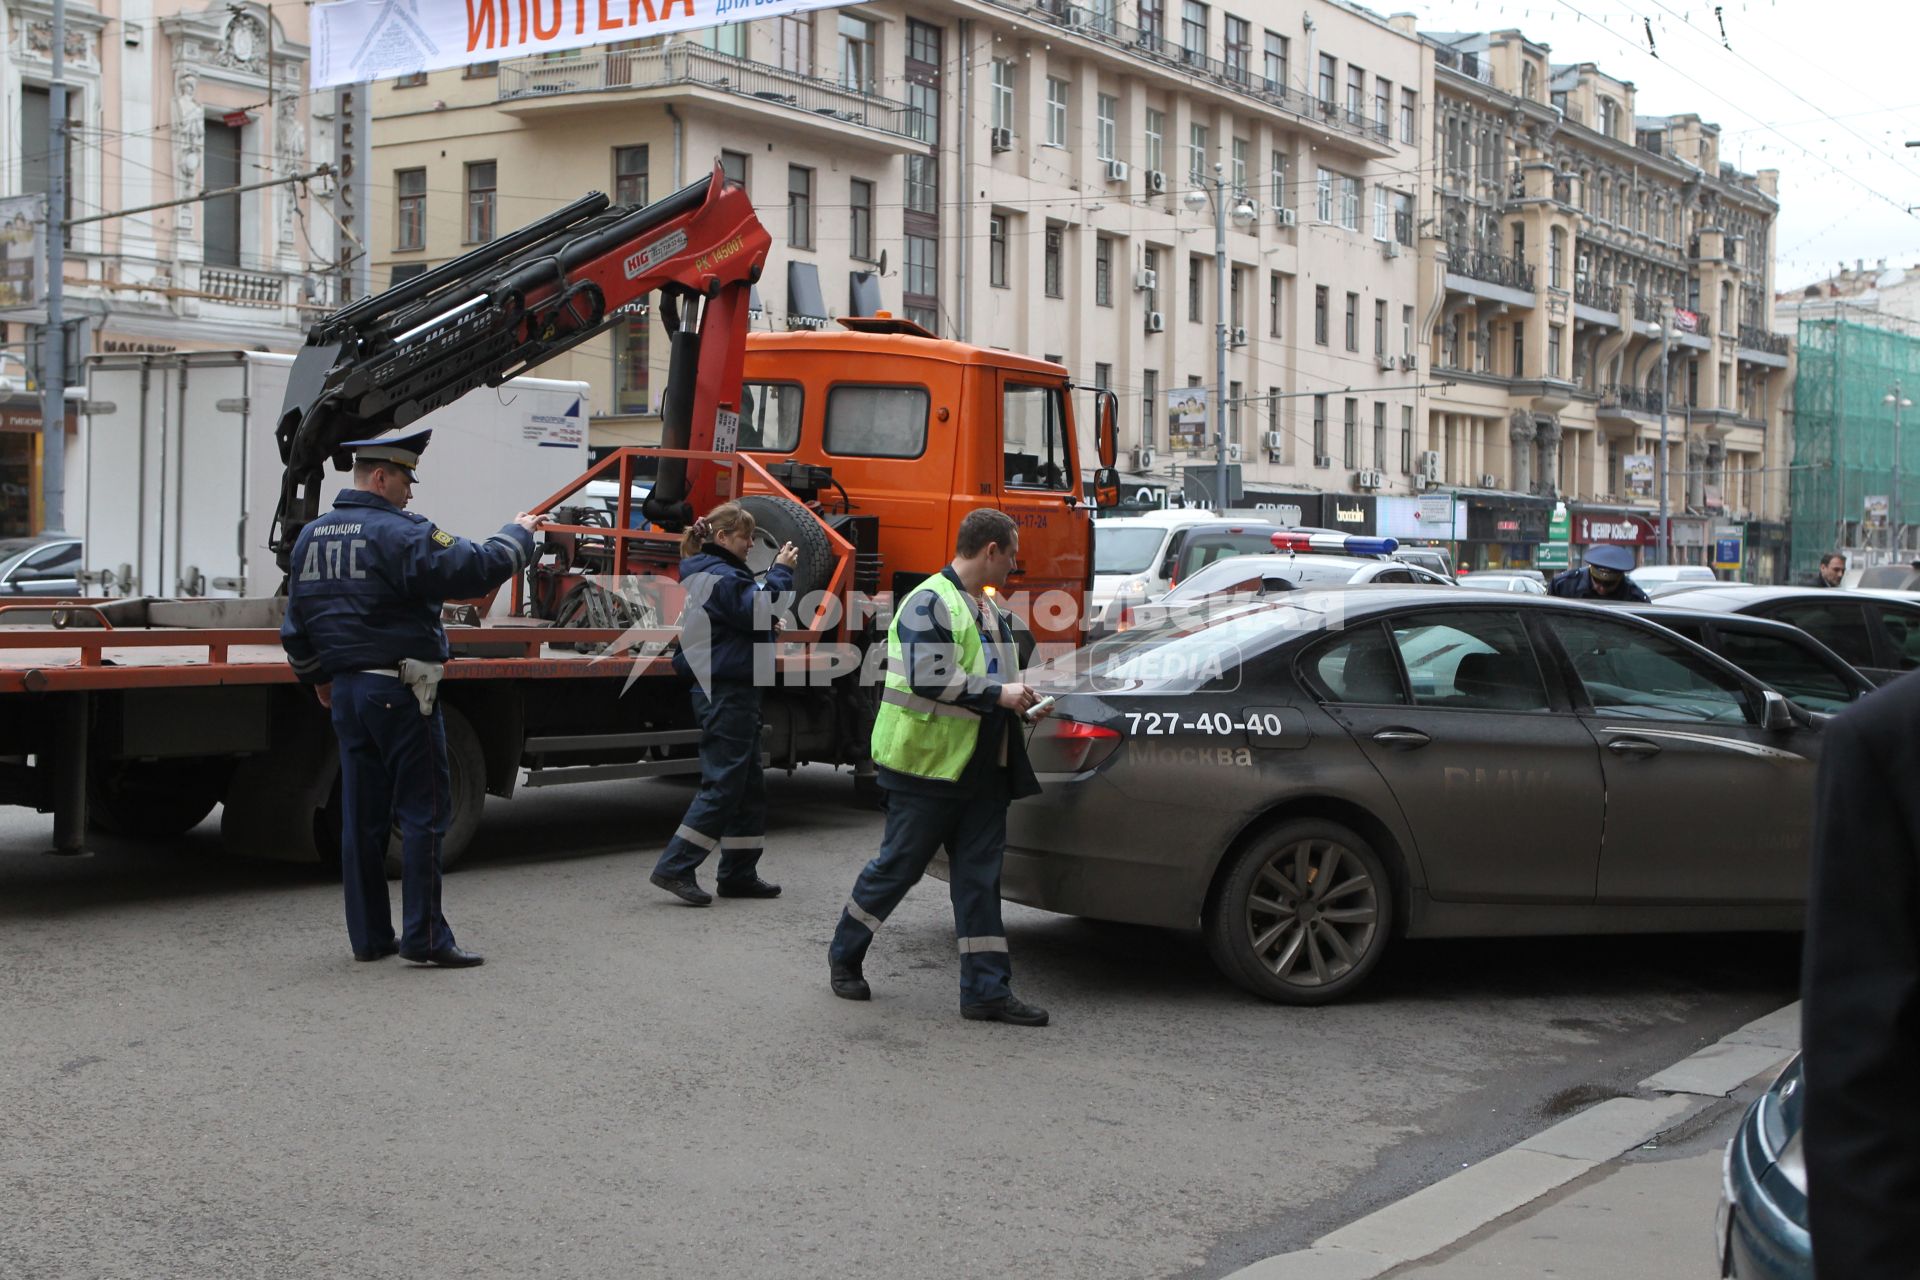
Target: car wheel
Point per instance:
(1303, 914)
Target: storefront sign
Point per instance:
(1431, 518)
(1349, 513)
(1726, 552)
(1436, 510)
(1496, 520)
(1619, 530)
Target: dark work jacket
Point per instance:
(926, 647)
(368, 580)
(718, 627)
(1577, 584)
(1860, 1016)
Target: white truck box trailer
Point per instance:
(176, 474)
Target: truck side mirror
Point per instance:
(1106, 488)
(1106, 433)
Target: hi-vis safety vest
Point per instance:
(922, 737)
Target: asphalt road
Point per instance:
(199, 1081)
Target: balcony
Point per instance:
(1100, 26)
(1492, 268)
(1470, 65)
(1755, 339)
(243, 288)
(1600, 297)
(1625, 399)
(528, 81)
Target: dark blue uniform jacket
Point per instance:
(718, 625)
(368, 581)
(1577, 584)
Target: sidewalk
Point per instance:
(1625, 1188)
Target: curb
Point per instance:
(1459, 1205)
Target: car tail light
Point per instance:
(1060, 745)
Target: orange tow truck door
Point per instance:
(1039, 487)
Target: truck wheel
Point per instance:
(778, 520)
(467, 765)
(152, 799)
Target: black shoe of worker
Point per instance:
(848, 983)
(445, 958)
(685, 888)
(751, 887)
(1010, 1009)
(390, 947)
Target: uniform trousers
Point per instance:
(393, 771)
(972, 826)
(730, 812)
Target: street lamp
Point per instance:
(1215, 189)
(1899, 402)
(1665, 330)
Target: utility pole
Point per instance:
(1666, 340)
(1899, 402)
(53, 357)
(1220, 338)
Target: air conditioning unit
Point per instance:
(1285, 217)
(1143, 458)
(1388, 362)
(1409, 362)
(1367, 479)
(1233, 453)
(1489, 481)
(1146, 280)
(1002, 139)
(1390, 248)
(1117, 171)
(1238, 337)
(1076, 16)
(1430, 466)
(1322, 459)
(1156, 182)
(1156, 322)
(1276, 441)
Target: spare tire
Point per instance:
(778, 520)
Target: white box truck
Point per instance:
(176, 474)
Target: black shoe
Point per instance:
(847, 981)
(686, 888)
(445, 958)
(1009, 1009)
(388, 948)
(751, 887)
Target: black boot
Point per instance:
(1011, 1009)
(847, 981)
(685, 888)
(748, 887)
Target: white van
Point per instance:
(1130, 555)
(1654, 575)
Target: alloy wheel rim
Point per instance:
(1312, 912)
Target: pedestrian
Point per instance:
(1833, 567)
(1603, 577)
(949, 753)
(1860, 1010)
(363, 628)
(728, 613)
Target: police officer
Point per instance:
(949, 752)
(363, 628)
(1603, 577)
(727, 614)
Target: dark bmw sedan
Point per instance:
(1305, 777)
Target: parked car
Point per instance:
(1761, 1232)
(1137, 558)
(1656, 590)
(1279, 571)
(1303, 776)
(1432, 559)
(44, 567)
(1778, 654)
(1877, 632)
(1647, 575)
(1890, 577)
(1524, 584)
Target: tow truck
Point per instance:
(864, 446)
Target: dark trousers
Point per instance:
(730, 812)
(393, 770)
(973, 828)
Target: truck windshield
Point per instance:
(1035, 422)
(1125, 550)
(770, 416)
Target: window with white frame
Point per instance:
(1350, 203)
(1323, 194)
(1003, 94)
(1240, 149)
(859, 53)
(997, 251)
(1107, 115)
(1156, 132)
(1275, 70)
(1382, 219)
(1199, 152)
(1280, 195)
(1057, 91)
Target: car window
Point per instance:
(770, 416)
(1902, 629)
(1189, 649)
(1393, 575)
(1693, 629)
(1793, 669)
(1634, 674)
(1841, 626)
(877, 422)
(1472, 660)
(1359, 667)
(1126, 550)
(1035, 423)
(54, 559)
(1204, 549)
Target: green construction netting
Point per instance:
(1841, 417)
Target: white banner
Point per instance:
(356, 40)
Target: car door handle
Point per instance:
(1638, 748)
(1401, 739)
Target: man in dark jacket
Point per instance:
(1603, 577)
(1833, 568)
(1860, 1017)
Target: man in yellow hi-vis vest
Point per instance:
(949, 750)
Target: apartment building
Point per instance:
(1013, 175)
(1595, 267)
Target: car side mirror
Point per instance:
(1776, 714)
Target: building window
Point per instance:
(481, 193)
(1320, 457)
(1149, 405)
(1519, 350)
(1329, 78)
(1240, 149)
(1275, 70)
(1406, 331)
(733, 167)
(793, 36)
(1320, 305)
(411, 224)
(412, 81)
(730, 39)
(1356, 93)
(1103, 376)
(1556, 258)
(1323, 195)
(1235, 394)
(1353, 322)
(923, 118)
(1281, 194)
(1350, 203)
(1382, 224)
(630, 175)
(1103, 271)
(1236, 279)
(480, 71)
(630, 364)
(1193, 32)
(1350, 433)
(997, 252)
(923, 184)
(1003, 94)
(799, 207)
(923, 42)
(860, 230)
(1408, 100)
(1520, 243)
(1379, 435)
(1056, 238)
(1276, 303)
(1406, 438)
(1199, 151)
(1238, 49)
(1151, 261)
(1379, 327)
(1107, 115)
(1553, 350)
(1156, 140)
(1403, 217)
(923, 266)
(1056, 112)
(1153, 23)
(1194, 276)
(1383, 106)
(858, 53)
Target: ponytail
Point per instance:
(728, 517)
